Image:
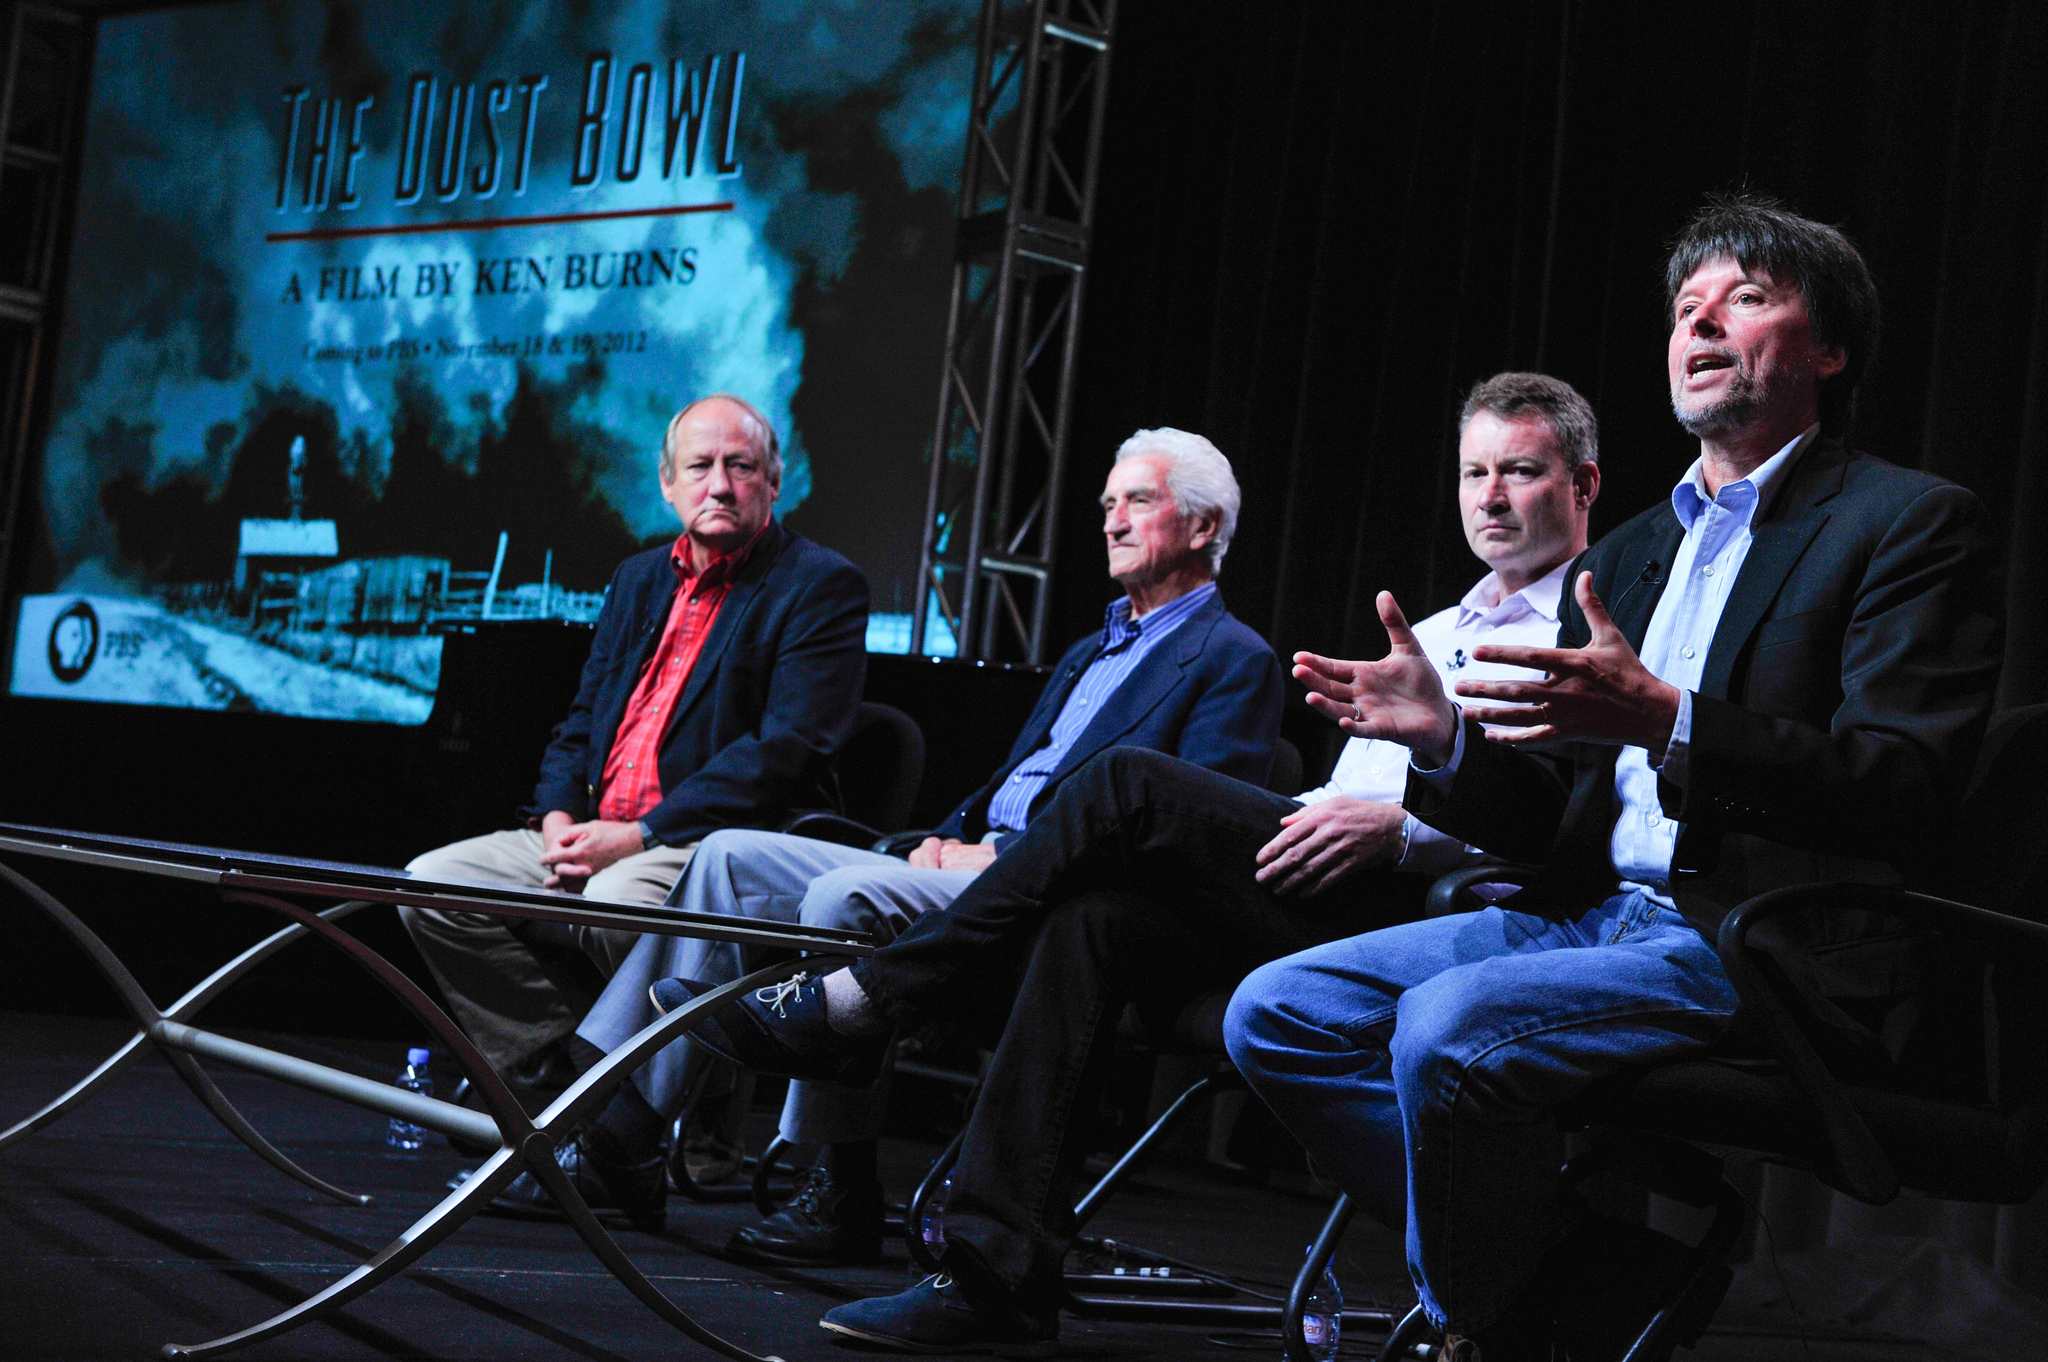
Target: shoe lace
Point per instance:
(938, 1281)
(810, 1193)
(776, 997)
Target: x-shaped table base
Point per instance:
(525, 1145)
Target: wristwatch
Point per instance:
(646, 836)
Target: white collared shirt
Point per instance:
(1376, 770)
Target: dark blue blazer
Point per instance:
(1210, 693)
(769, 701)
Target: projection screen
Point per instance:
(376, 313)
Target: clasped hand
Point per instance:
(571, 852)
(1599, 693)
(951, 853)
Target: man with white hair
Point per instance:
(724, 673)
(1171, 670)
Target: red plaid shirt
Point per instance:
(632, 774)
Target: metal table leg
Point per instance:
(147, 1016)
(197, 997)
(525, 1145)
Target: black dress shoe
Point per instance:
(779, 1030)
(826, 1223)
(638, 1191)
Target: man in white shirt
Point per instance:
(1528, 474)
(1781, 675)
(1150, 880)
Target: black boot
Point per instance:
(835, 1216)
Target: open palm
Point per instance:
(1399, 698)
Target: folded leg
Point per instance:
(1130, 819)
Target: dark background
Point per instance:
(1319, 224)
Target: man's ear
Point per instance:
(1585, 485)
(1833, 360)
(1205, 529)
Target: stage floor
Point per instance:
(137, 1220)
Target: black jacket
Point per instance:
(769, 701)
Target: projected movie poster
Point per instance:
(377, 312)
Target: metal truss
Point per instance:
(1027, 204)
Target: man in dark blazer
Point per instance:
(725, 671)
(1780, 675)
(1171, 670)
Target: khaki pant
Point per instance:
(515, 1001)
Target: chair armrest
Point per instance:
(831, 827)
(1450, 887)
(1861, 1168)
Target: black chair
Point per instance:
(1885, 1039)
(879, 772)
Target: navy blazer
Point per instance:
(1846, 690)
(1210, 693)
(770, 699)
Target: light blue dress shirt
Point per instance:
(1710, 556)
(1125, 642)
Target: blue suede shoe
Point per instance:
(934, 1317)
(779, 1030)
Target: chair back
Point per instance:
(881, 767)
(1999, 858)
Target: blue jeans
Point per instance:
(1419, 1065)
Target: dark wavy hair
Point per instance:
(1763, 236)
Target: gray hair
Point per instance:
(1199, 478)
(1518, 396)
(765, 443)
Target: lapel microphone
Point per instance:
(1651, 575)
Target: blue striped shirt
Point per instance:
(1125, 642)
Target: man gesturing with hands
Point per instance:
(1598, 693)
(1780, 675)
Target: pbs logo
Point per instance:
(74, 642)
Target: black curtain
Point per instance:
(1320, 223)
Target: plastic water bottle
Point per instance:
(414, 1078)
(1322, 1316)
(931, 1225)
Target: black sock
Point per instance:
(851, 1162)
(628, 1129)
